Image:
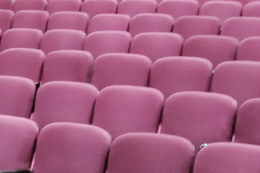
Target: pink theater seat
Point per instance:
(22, 62)
(94, 7)
(248, 49)
(35, 19)
(238, 79)
(247, 122)
(71, 147)
(175, 74)
(150, 22)
(17, 139)
(63, 101)
(221, 9)
(201, 2)
(201, 117)
(215, 48)
(6, 4)
(67, 65)
(156, 45)
(21, 38)
(241, 27)
(121, 69)
(106, 22)
(62, 39)
(102, 42)
(122, 109)
(244, 2)
(17, 96)
(178, 8)
(150, 153)
(68, 20)
(252, 9)
(228, 157)
(188, 26)
(134, 7)
(63, 5)
(6, 17)
(29, 5)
